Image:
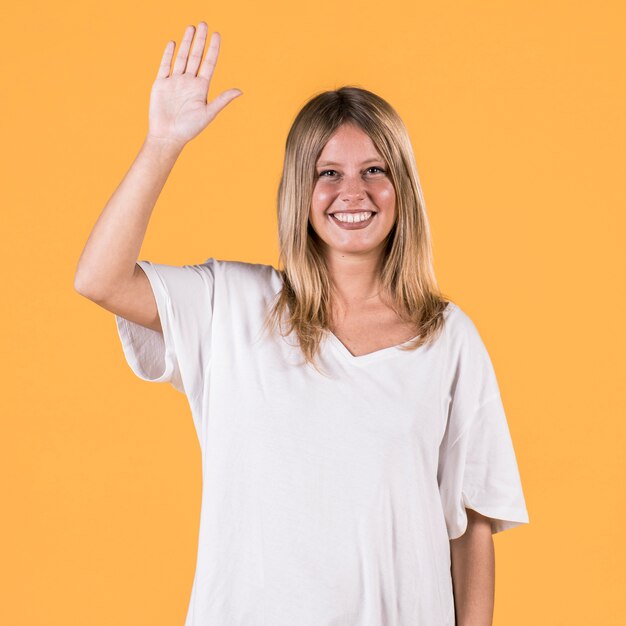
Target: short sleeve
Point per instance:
(477, 463)
(179, 355)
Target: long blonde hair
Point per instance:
(407, 273)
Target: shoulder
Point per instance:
(241, 275)
(467, 355)
(460, 328)
(464, 344)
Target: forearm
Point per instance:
(113, 246)
(473, 572)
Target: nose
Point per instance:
(353, 189)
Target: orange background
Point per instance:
(516, 114)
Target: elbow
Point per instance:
(80, 285)
(86, 286)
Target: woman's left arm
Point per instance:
(473, 572)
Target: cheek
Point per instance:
(386, 195)
(386, 200)
(321, 198)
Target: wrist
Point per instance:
(162, 147)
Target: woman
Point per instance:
(356, 456)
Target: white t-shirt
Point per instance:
(326, 500)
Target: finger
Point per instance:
(217, 104)
(183, 51)
(198, 49)
(208, 65)
(166, 60)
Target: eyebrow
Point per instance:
(324, 163)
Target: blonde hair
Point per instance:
(407, 273)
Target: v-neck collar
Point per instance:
(377, 355)
(370, 356)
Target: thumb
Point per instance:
(218, 103)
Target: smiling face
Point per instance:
(352, 183)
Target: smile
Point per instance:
(353, 221)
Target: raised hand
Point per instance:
(179, 109)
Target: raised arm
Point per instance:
(107, 271)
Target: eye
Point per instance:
(323, 173)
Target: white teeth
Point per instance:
(353, 217)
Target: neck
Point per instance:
(355, 278)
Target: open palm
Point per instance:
(179, 109)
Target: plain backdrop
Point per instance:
(516, 115)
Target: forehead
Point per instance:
(349, 141)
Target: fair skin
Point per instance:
(352, 176)
(108, 274)
(107, 271)
(473, 572)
